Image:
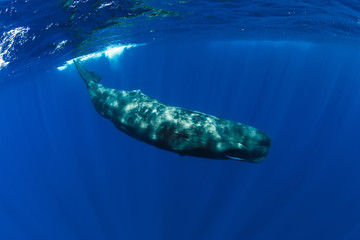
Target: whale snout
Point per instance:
(252, 148)
(258, 147)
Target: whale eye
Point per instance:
(241, 146)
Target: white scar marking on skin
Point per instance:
(144, 125)
(101, 90)
(153, 136)
(114, 104)
(130, 107)
(168, 115)
(252, 133)
(186, 124)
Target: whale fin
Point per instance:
(180, 144)
(86, 75)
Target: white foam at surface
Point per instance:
(7, 42)
(59, 46)
(110, 52)
(106, 4)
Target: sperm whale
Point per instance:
(175, 129)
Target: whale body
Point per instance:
(175, 129)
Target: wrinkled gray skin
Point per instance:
(175, 129)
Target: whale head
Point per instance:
(247, 144)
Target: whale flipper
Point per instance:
(181, 144)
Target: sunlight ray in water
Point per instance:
(110, 52)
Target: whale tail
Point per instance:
(87, 76)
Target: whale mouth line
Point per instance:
(256, 160)
(236, 158)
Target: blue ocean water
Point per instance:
(289, 68)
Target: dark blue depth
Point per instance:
(67, 173)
